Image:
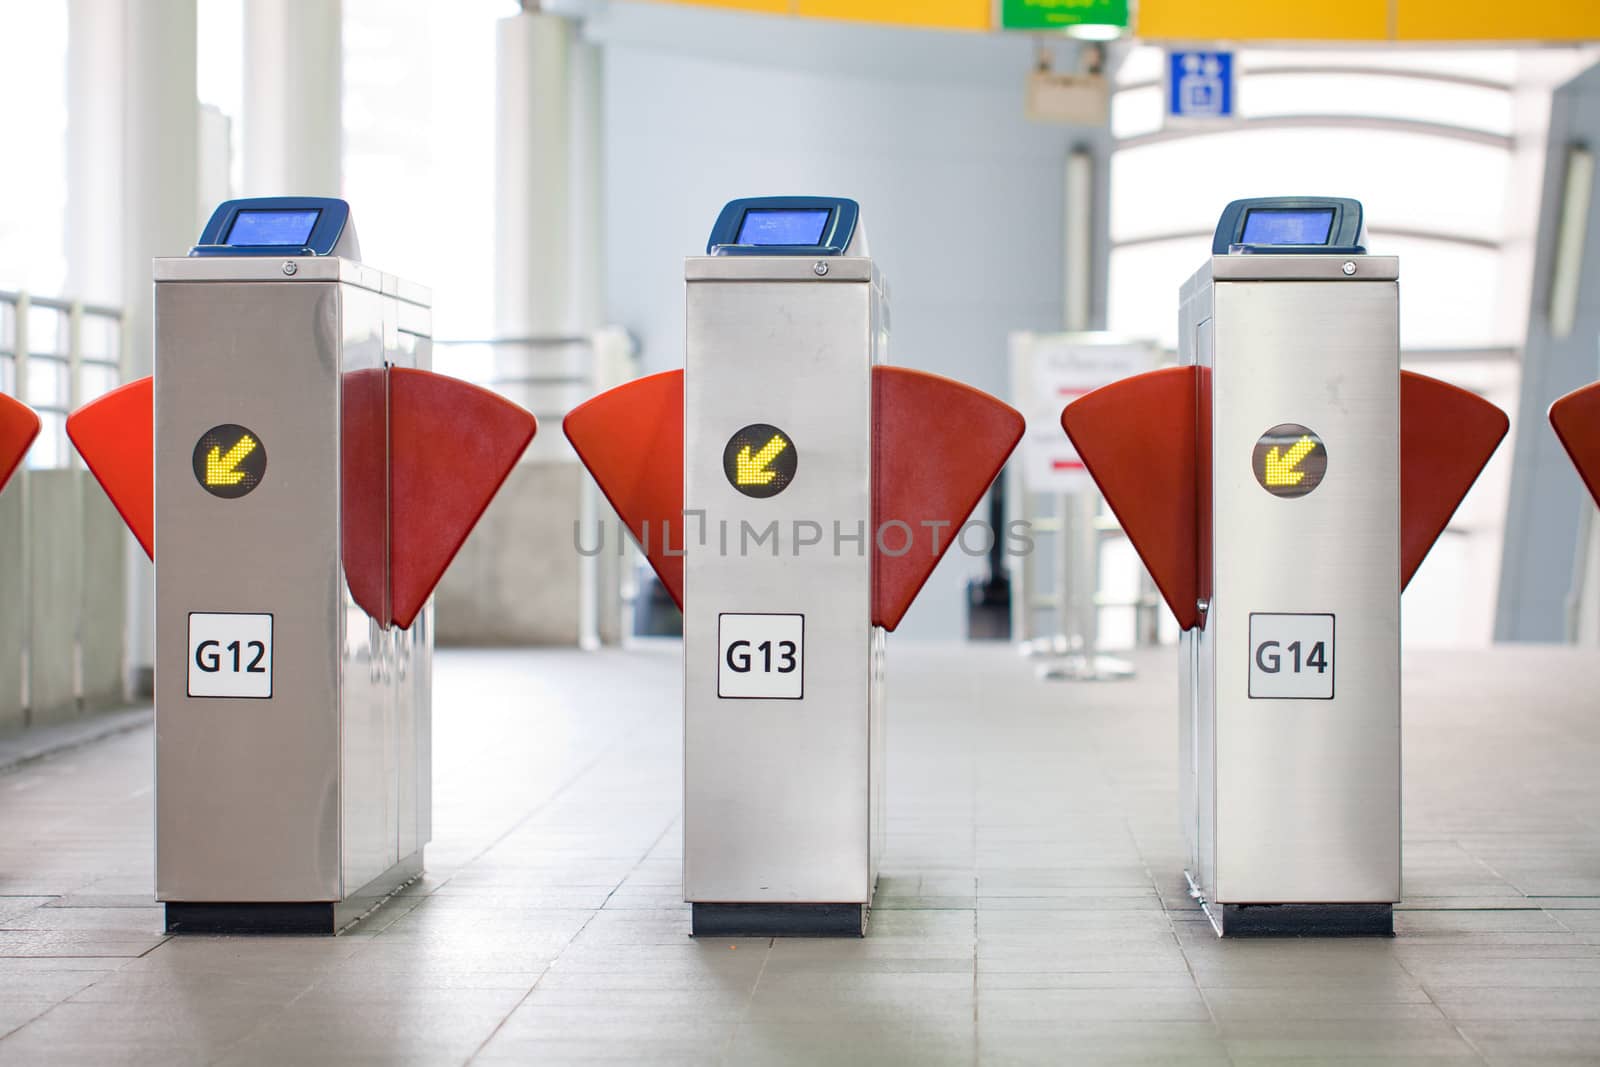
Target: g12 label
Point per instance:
(761, 657)
(230, 655)
(1291, 656)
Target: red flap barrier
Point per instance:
(936, 444)
(18, 427)
(1446, 436)
(631, 439)
(451, 446)
(115, 435)
(1139, 438)
(364, 489)
(1576, 418)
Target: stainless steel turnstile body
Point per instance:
(1295, 801)
(304, 803)
(783, 795)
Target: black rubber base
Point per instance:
(1307, 920)
(314, 918)
(320, 917)
(779, 920)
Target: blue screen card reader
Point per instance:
(1291, 225)
(279, 226)
(785, 226)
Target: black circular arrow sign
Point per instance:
(1289, 460)
(229, 461)
(760, 460)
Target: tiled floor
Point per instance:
(1031, 907)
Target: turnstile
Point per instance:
(311, 482)
(793, 493)
(1283, 484)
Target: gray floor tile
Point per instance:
(1031, 910)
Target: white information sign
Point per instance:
(230, 655)
(761, 657)
(1048, 372)
(1291, 657)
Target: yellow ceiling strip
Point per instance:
(1483, 20)
(1248, 20)
(1263, 20)
(931, 14)
(770, 7)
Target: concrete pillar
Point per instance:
(160, 215)
(1078, 262)
(292, 121)
(531, 174)
(215, 157)
(518, 579)
(586, 79)
(94, 151)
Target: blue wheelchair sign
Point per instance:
(1200, 85)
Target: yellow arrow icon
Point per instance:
(220, 468)
(1280, 467)
(752, 469)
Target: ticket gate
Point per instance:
(18, 427)
(1576, 420)
(793, 494)
(1282, 485)
(301, 480)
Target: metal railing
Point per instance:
(56, 355)
(63, 550)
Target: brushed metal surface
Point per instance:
(306, 269)
(247, 791)
(780, 794)
(1258, 268)
(408, 343)
(780, 269)
(1304, 794)
(365, 704)
(323, 789)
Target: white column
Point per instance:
(161, 215)
(161, 211)
(533, 252)
(531, 174)
(586, 77)
(292, 122)
(214, 183)
(94, 151)
(1078, 266)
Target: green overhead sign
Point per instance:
(1060, 14)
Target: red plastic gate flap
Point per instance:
(631, 439)
(364, 489)
(451, 446)
(18, 427)
(937, 445)
(1576, 419)
(1139, 437)
(115, 435)
(1446, 436)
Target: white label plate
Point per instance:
(230, 655)
(1291, 657)
(761, 657)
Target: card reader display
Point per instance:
(1286, 226)
(280, 226)
(1291, 225)
(272, 227)
(788, 226)
(770, 227)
